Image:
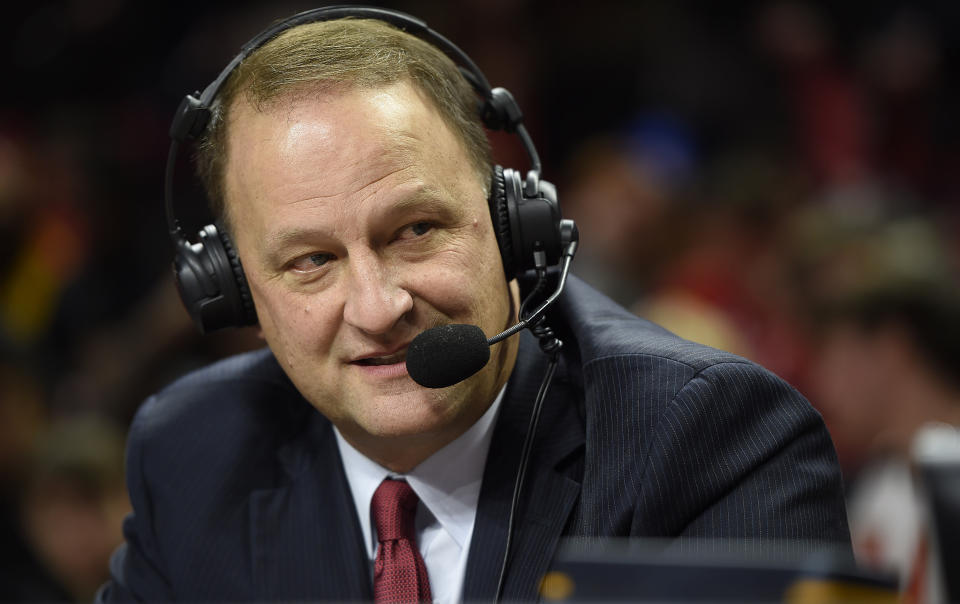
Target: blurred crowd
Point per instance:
(779, 179)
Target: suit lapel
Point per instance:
(305, 538)
(301, 547)
(549, 492)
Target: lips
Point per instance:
(388, 359)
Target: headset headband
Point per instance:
(499, 110)
(191, 118)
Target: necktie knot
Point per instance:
(394, 510)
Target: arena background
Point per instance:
(765, 177)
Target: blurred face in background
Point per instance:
(849, 387)
(876, 389)
(73, 530)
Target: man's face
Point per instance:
(360, 223)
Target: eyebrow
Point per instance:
(287, 237)
(427, 198)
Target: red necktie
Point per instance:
(399, 574)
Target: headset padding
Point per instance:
(500, 214)
(249, 313)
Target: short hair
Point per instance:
(364, 53)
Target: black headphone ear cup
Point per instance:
(211, 282)
(500, 214)
(247, 311)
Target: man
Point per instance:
(352, 173)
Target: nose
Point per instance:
(374, 302)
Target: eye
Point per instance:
(420, 228)
(312, 262)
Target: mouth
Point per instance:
(388, 359)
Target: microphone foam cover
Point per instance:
(442, 356)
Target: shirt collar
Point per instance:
(447, 482)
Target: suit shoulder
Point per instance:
(606, 332)
(241, 369)
(229, 399)
(630, 363)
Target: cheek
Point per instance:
(467, 277)
(293, 324)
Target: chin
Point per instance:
(403, 427)
(408, 412)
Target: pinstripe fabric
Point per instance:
(239, 493)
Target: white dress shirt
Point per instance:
(448, 485)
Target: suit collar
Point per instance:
(550, 490)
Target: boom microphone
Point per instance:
(442, 356)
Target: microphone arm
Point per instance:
(442, 356)
(571, 237)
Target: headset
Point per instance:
(530, 232)
(524, 210)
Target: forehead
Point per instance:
(321, 141)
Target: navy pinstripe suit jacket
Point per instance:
(239, 493)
